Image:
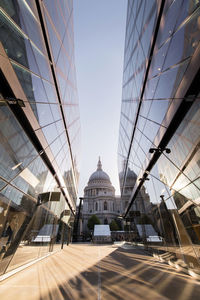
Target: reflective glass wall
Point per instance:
(159, 126)
(39, 129)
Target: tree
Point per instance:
(93, 220)
(145, 219)
(119, 223)
(114, 226)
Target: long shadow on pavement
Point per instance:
(130, 274)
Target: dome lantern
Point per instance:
(99, 179)
(99, 165)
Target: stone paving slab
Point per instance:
(102, 272)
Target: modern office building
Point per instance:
(159, 127)
(39, 129)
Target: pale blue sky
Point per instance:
(99, 32)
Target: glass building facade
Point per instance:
(39, 129)
(159, 126)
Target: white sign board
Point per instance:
(102, 230)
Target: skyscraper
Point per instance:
(39, 129)
(159, 126)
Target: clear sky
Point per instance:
(99, 33)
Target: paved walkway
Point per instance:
(83, 271)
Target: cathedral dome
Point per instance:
(99, 174)
(129, 180)
(129, 175)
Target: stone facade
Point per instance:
(99, 199)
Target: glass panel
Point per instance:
(55, 108)
(184, 143)
(62, 83)
(167, 170)
(191, 220)
(56, 147)
(31, 27)
(169, 22)
(34, 90)
(22, 14)
(44, 114)
(55, 43)
(43, 64)
(35, 242)
(15, 148)
(60, 126)
(190, 192)
(63, 63)
(158, 110)
(2, 184)
(187, 8)
(148, 27)
(17, 46)
(67, 43)
(139, 19)
(151, 129)
(35, 179)
(169, 81)
(55, 14)
(16, 213)
(50, 92)
(158, 60)
(50, 132)
(150, 89)
(184, 42)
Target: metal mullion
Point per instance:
(147, 72)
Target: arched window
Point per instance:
(105, 207)
(96, 207)
(105, 221)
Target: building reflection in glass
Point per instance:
(39, 143)
(161, 109)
